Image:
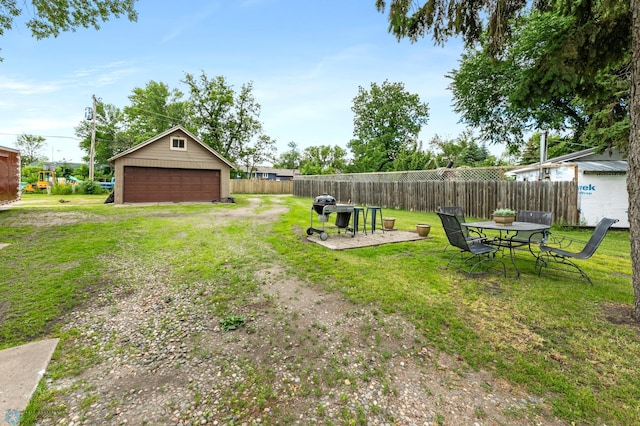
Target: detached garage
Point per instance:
(171, 167)
(9, 175)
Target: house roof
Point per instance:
(278, 172)
(166, 133)
(569, 157)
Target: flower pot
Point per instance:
(504, 220)
(388, 223)
(423, 229)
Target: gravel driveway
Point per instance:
(305, 356)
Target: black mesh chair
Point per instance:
(531, 239)
(454, 210)
(557, 256)
(534, 216)
(459, 214)
(471, 254)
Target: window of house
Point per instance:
(179, 144)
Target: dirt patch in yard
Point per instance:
(41, 218)
(620, 315)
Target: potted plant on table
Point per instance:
(504, 216)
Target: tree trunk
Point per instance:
(633, 172)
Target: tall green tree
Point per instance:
(51, 17)
(289, 159)
(464, 150)
(611, 27)
(556, 146)
(153, 110)
(532, 84)
(30, 147)
(413, 158)
(260, 151)
(323, 160)
(225, 120)
(387, 121)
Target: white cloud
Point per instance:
(101, 75)
(27, 88)
(186, 23)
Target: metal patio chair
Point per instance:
(459, 214)
(535, 216)
(479, 252)
(531, 239)
(558, 256)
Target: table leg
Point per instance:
(513, 260)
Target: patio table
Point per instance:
(507, 232)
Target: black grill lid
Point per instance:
(323, 200)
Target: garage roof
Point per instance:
(4, 148)
(587, 166)
(168, 132)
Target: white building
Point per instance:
(602, 183)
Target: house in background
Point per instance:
(601, 178)
(172, 167)
(269, 173)
(9, 175)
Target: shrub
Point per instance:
(29, 173)
(61, 189)
(90, 187)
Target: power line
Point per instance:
(44, 136)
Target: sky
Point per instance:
(306, 61)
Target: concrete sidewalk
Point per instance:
(21, 368)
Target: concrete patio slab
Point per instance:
(345, 241)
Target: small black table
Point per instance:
(507, 232)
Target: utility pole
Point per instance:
(92, 151)
(543, 151)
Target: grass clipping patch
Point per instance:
(497, 324)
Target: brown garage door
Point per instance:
(150, 184)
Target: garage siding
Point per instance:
(154, 184)
(9, 175)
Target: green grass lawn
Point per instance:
(562, 339)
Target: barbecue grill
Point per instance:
(323, 206)
(323, 200)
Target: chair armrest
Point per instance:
(561, 241)
(477, 232)
(539, 237)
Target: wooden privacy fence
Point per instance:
(259, 186)
(478, 198)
